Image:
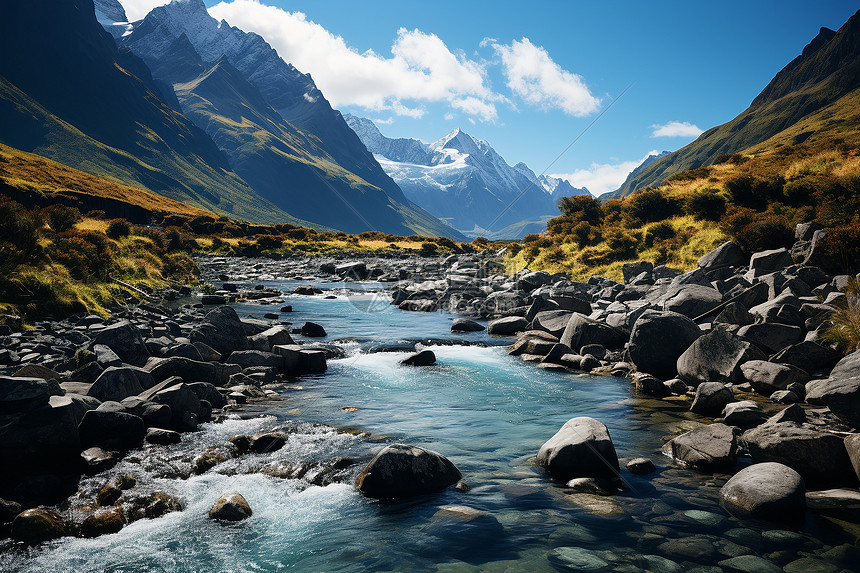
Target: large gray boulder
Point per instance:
(657, 340)
(400, 470)
(711, 398)
(842, 396)
(581, 448)
(692, 300)
(552, 321)
(820, 457)
(251, 358)
(111, 430)
(744, 414)
(707, 448)
(115, 384)
(717, 355)
(124, 338)
(726, 255)
(22, 394)
(807, 355)
(847, 367)
(192, 370)
(768, 377)
(771, 336)
(507, 325)
(581, 331)
(184, 406)
(222, 330)
(768, 490)
(48, 431)
(269, 338)
(773, 260)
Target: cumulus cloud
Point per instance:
(676, 129)
(534, 76)
(136, 9)
(421, 67)
(601, 178)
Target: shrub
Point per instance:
(299, 234)
(480, 241)
(690, 175)
(531, 238)
(622, 244)
(19, 239)
(842, 245)
(429, 249)
(705, 204)
(268, 242)
(86, 255)
(118, 228)
(649, 206)
(61, 218)
(754, 193)
(734, 158)
(582, 233)
(581, 208)
(764, 233)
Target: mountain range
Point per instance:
(465, 182)
(816, 96)
(193, 109)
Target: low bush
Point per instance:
(118, 228)
(705, 204)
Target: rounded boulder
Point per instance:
(768, 490)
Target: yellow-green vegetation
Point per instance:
(49, 181)
(224, 236)
(754, 200)
(846, 322)
(54, 263)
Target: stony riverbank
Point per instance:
(739, 341)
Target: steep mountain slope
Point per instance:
(285, 138)
(813, 97)
(464, 181)
(66, 93)
(264, 149)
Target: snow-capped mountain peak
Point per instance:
(462, 179)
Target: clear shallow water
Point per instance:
(489, 413)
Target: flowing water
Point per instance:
(488, 413)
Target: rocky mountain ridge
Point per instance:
(463, 180)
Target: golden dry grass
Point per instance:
(34, 173)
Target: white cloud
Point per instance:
(676, 129)
(533, 75)
(421, 69)
(380, 121)
(474, 106)
(136, 9)
(601, 178)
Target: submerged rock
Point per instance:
(400, 470)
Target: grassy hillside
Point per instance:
(755, 200)
(37, 180)
(814, 98)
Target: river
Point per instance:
(488, 413)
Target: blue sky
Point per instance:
(530, 77)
